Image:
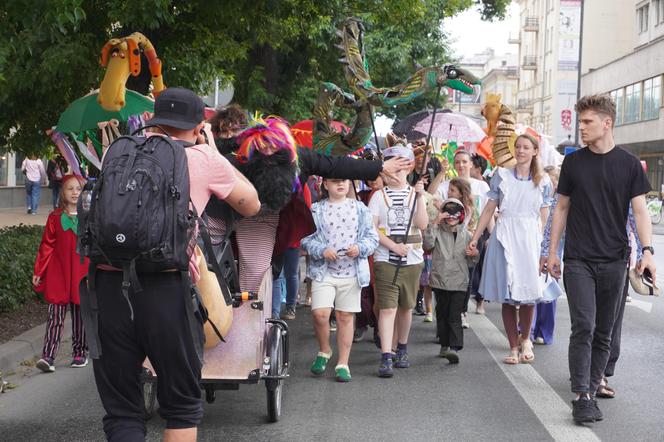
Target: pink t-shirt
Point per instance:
(209, 174)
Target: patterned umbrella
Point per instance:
(452, 126)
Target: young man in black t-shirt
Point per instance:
(596, 186)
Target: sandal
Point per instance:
(527, 355)
(512, 358)
(604, 391)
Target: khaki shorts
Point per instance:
(403, 294)
(344, 294)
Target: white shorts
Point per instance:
(344, 294)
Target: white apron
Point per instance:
(518, 229)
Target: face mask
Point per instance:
(226, 145)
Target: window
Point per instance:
(642, 15)
(632, 103)
(617, 96)
(651, 97)
(658, 7)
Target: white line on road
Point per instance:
(550, 409)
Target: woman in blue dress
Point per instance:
(510, 274)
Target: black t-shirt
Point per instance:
(600, 187)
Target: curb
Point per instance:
(26, 346)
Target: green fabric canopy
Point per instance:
(84, 113)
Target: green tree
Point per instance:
(276, 52)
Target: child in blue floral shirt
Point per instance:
(338, 267)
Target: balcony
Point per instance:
(529, 63)
(514, 40)
(531, 24)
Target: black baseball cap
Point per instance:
(178, 107)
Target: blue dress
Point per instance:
(511, 265)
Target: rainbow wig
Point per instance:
(266, 136)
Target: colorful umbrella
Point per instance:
(452, 126)
(84, 113)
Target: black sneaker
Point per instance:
(598, 413)
(289, 314)
(584, 410)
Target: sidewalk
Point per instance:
(28, 344)
(16, 216)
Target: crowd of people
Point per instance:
(383, 239)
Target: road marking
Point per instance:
(554, 413)
(643, 305)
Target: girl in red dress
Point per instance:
(58, 273)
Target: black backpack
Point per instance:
(139, 217)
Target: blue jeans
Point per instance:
(32, 194)
(291, 262)
(56, 193)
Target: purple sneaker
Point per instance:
(79, 362)
(385, 368)
(401, 359)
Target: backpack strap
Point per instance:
(90, 312)
(212, 258)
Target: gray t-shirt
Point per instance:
(341, 225)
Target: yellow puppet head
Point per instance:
(121, 57)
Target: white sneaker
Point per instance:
(628, 298)
(45, 366)
(464, 320)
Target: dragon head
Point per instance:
(459, 79)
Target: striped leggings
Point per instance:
(255, 239)
(54, 326)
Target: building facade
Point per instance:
(630, 67)
(548, 41)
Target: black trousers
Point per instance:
(594, 293)
(161, 330)
(449, 305)
(616, 334)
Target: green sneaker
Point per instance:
(342, 372)
(319, 365)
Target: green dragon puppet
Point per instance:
(365, 96)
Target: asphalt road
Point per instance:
(480, 399)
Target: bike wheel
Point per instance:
(274, 387)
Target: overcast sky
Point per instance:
(470, 35)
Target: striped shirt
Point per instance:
(392, 207)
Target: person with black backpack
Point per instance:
(140, 228)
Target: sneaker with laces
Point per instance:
(464, 320)
(451, 355)
(342, 373)
(401, 359)
(46, 365)
(584, 410)
(598, 413)
(385, 368)
(428, 317)
(79, 362)
(289, 314)
(320, 363)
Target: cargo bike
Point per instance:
(255, 347)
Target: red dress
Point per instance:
(58, 264)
